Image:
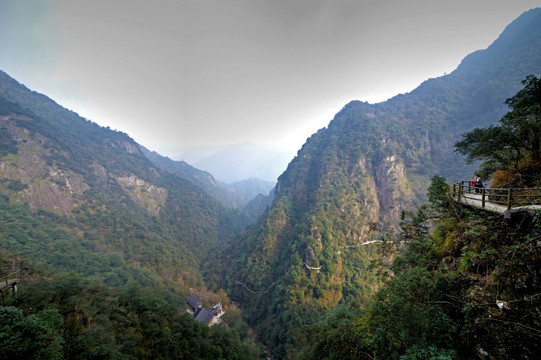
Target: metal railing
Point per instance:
(507, 197)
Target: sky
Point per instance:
(183, 73)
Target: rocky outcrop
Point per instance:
(148, 196)
(42, 183)
(394, 192)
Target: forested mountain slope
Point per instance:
(464, 285)
(70, 317)
(80, 197)
(351, 182)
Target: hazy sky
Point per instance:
(175, 73)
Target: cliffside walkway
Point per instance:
(499, 200)
(255, 292)
(8, 282)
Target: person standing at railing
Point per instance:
(473, 184)
(478, 184)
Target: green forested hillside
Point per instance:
(82, 200)
(69, 317)
(340, 266)
(198, 177)
(465, 285)
(81, 197)
(351, 182)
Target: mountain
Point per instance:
(248, 189)
(235, 195)
(184, 170)
(237, 162)
(259, 204)
(75, 196)
(353, 181)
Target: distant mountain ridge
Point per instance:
(351, 182)
(236, 195)
(237, 162)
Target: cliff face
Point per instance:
(150, 197)
(47, 185)
(41, 184)
(313, 248)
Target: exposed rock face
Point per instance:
(394, 192)
(146, 195)
(100, 172)
(43, 185)
(110, 196)
(47, 186)
(330, 203)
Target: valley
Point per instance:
(356, 252)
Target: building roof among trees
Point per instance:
(204, 316)
(193, 302)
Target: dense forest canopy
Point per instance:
(102, 194)
(70, 317)
(464, 281)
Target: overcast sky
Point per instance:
(175, 73)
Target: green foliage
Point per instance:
(16, 185)
(346, 187)
(467, 282)
(408, 313)
(498, 146)
(8, 108)
(428, 353)
(73, 318)
(104, 232)
(51, 239)
(525, 116)
(29, 337)
(518, 137)
(338, 335)
(474, 259)
(301, 259)
(7, 144)
(420, 247)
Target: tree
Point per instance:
(516, 140)
(525, 116)
(28, 337)
(438, 192)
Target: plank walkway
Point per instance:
(9, 280)
(498, 200)
(476, 200)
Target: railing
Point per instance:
(8, 279)
(507, 197)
